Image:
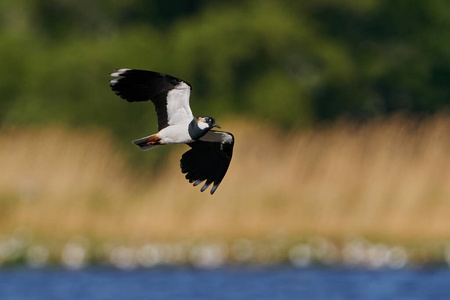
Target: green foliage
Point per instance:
(289, 62)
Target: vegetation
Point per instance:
(290, 70)
(289, 62)
(386, 181)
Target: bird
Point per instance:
(210, 151)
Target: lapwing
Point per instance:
(211, 150)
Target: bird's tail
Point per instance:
(148, 142)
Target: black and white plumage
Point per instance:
(211, 150)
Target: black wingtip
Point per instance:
(214, 188)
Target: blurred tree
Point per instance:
(289, 62)
(401, 51)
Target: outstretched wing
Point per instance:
(208, 159)
(170, 95)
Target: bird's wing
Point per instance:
(170, 95)
(208, 159)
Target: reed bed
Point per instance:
(386, 180)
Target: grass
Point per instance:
(387, 180)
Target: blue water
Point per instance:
(225, 283)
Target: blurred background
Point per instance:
(339, 110)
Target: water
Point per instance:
(225, 283)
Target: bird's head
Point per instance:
(200, 126)
(206, 123)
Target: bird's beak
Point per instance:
(215, 125)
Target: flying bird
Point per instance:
(211, 150)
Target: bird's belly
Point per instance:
(175, 134)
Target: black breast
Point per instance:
(196, 132)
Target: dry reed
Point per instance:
(386, 180)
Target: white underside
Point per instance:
(217, 137)
(178, 109)
(175, 134)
